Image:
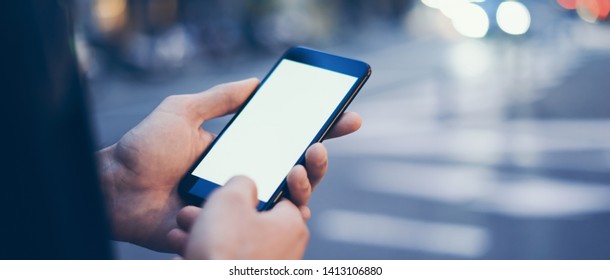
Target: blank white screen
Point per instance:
(277, 125)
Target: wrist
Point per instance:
(109, 169)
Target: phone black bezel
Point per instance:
(355, 68)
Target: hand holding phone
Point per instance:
(293, 107)
(230, 227)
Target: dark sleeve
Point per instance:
(50, 201)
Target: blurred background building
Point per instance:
(486, 123)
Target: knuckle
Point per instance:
(305, 184)
(175, 102)
(319, 160)
(172, 99)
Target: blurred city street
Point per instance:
(470, 149)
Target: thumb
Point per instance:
(223, 99)
(239, 191)
(221, 218)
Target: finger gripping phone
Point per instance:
(294, 107)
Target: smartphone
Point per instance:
(294, 107)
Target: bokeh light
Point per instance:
(567, 4)
(593, 10)
(467, 18)
(110, 15)
(470, 20)
(588, 10)
(513, 17)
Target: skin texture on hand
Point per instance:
(140, 173)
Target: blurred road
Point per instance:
(495, 149)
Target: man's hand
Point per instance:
(229, 227)
(140, 172)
